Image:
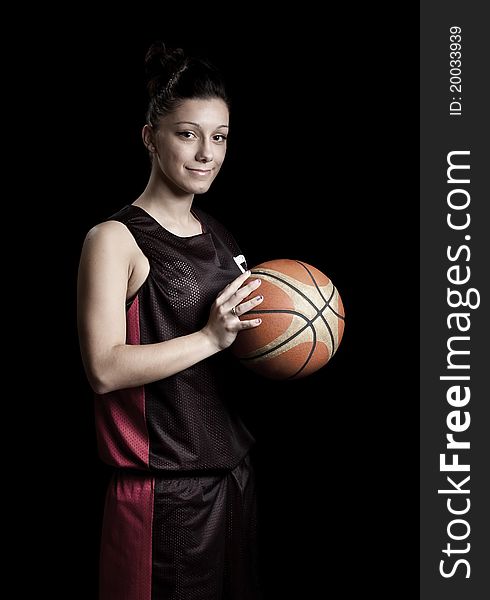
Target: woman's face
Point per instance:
(190, 144)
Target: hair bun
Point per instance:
(161, 64)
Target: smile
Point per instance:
(200, 172)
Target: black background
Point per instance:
(321, 167)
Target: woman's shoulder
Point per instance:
(113, 227)
(110, 235)
(107, 230)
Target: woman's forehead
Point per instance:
(205, 112)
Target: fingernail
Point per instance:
(260, 297)
(258, 321)
(258, 281)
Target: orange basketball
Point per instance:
(302, 321)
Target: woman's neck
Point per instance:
(169, 207)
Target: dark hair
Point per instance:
(173, 77)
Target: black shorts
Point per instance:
(185, 538)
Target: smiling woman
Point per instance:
(161, 288)
(188, 146)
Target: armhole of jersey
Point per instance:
(130, 301)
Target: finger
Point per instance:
(233, 286)
(244, 307)
(241, 294)
(249, 324)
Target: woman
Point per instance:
(161, 290)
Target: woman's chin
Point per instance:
(200, 188)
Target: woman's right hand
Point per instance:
(223, 324)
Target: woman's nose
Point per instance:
(205, 153)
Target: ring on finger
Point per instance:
(233, 311)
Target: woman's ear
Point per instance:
(147, 135)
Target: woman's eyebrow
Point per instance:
(196, 124)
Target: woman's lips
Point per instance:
(200, 172)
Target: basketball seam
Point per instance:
(327, 303)
(303, 295)
(320, 291)
(319, 312)
(313, 348)
(309, 323)
(291, 312)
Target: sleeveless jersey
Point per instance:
(185, 422)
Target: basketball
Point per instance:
(302, 321)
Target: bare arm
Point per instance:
(110, 363)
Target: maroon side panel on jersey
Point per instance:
(126, 545)
(122, 434)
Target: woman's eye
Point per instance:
(220, 137)
(187, 135)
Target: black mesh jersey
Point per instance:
(185, 422)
